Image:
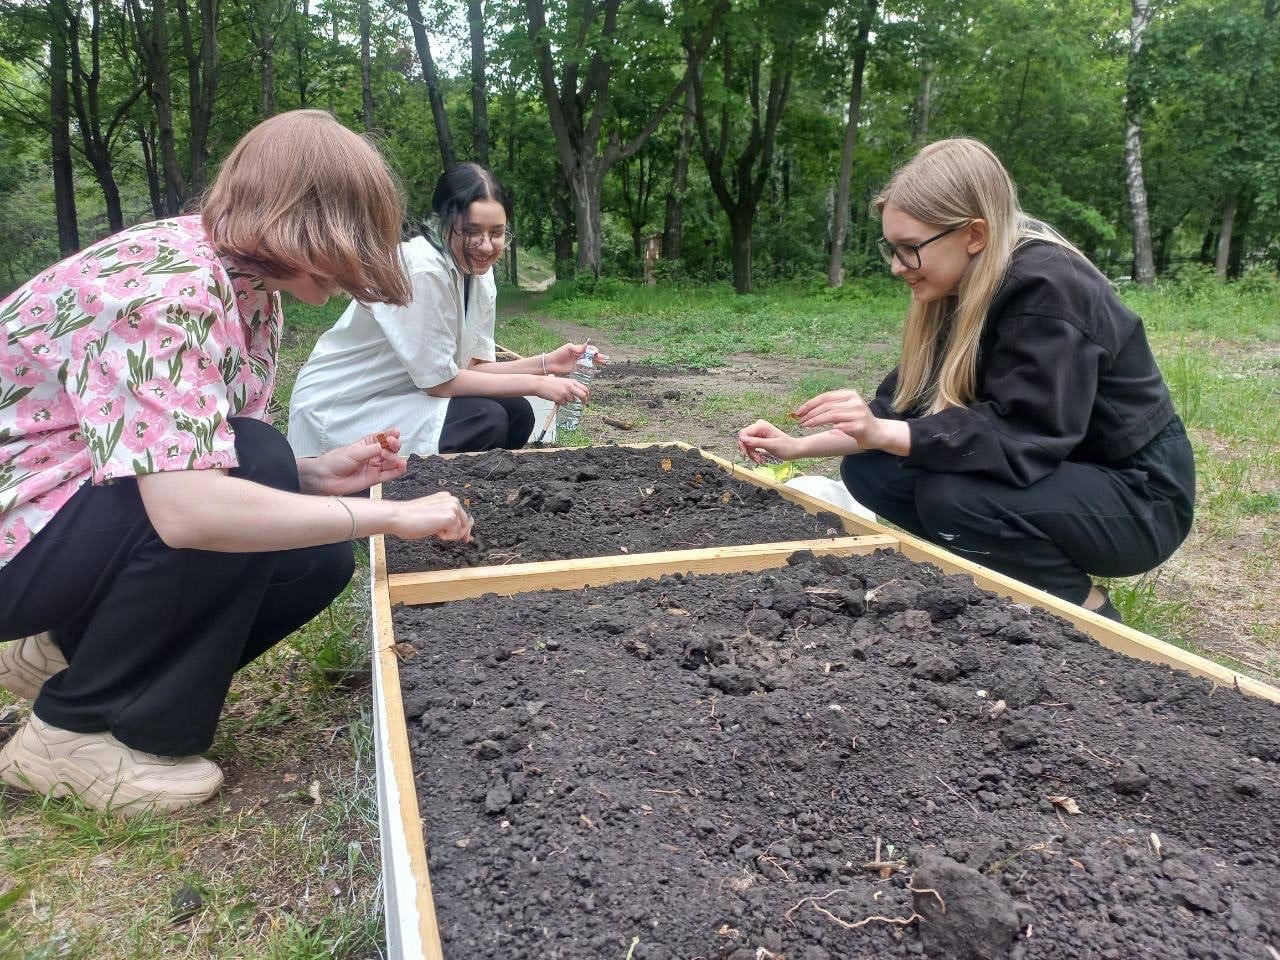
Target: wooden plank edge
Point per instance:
(401, 762)
(437, 586)
(1112, 635)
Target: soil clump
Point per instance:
(597, 501)
(844, 758)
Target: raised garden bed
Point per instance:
(593, 502)
(710, 764)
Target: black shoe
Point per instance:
(1108, 609)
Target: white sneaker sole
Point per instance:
(27, 663)
(59, 777)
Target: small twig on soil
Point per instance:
(875, 918)
(787, 916)
(635, 942)
(885, 868)
(620, 424)
(773, 862)
(952, 791)
(915, 889)
(1103, 760)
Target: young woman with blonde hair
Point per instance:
(1027, 426)
(156, 532)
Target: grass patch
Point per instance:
(700, 325)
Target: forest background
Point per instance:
(749, 135)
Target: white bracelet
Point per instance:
(342, 503)
(544, 364)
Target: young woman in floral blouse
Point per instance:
(156, 533)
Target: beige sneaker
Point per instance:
(27, 663)
(103, 772)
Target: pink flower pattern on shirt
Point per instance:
(125, 359)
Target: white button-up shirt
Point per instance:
(371, 371)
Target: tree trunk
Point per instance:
(1144, 271)
(479, 95)
(147, 138)
(64, 190)
(584, 189)
(267, 76)
(1224, 234)
(366, 86)
(423, 44)
(513, 266)
(835, 266)
(564, 230)
(86, 89)
(673, 218)
(202, 84)
(333, 48)
(153, 45)
(1239, 236)
(740, 245)
(300, 53)
(924, 102)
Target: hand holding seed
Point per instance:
(763, 443)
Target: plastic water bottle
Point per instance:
(570, 414)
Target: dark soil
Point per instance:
(593, 502)
(707, 763)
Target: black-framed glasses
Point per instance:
(908, 254)
(473, 239)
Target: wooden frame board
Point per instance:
(412, 930)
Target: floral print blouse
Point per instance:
(127, 358)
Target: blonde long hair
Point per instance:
(949, 183)
(302, 193)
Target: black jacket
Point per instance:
(1064, 372)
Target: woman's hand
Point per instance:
(562, 390)
(562, 359)
(355, 467)
(439, 515)
(846, 411)
(762, 437)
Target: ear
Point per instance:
(977, 236)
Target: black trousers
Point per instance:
(1082, 519)
(472, 424)
(154, 635)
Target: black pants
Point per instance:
(154, 635)
(472, 424)
(1082, 519)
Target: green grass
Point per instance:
(702, 325)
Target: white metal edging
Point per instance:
(404, 938)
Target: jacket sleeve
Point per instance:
(1035, 401)
(882, 403)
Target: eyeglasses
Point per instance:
(908, 254)
(474, 239)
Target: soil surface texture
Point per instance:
(593, 502)
(844, 758)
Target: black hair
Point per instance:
(457, 190)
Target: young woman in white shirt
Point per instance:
(430, 366)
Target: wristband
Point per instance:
(544, 364)
(342, 503)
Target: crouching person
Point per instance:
(157, 534)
